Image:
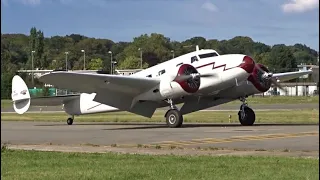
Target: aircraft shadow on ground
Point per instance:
(138, 126)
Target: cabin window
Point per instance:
(149, 75)
(202, 56)
(193, 59)
(161, 72)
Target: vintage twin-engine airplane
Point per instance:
(200, 79)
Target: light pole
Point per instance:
(54, 64)
(110, 52)
(66, 60)
(84, 59)
(114, 66)
(172, 51)
(140, 49)
(32, 80)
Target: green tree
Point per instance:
(262, 58)
(95, 64)
(281, 59)
(32, 37)
(40, 60)
(132, 62)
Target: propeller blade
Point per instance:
(183, 77)
(186, 77)
(274, 81)
(208, 75)
(259, 68)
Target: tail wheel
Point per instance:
(247, 116)
(174, 118)
(69, 121)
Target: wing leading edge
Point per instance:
(91, 83)
(290, 75)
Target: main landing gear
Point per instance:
(70, 120)
(174, 118)
(246, 115)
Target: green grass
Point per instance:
(18, 164)
(6, 103)
(251, 100)
(281, 116)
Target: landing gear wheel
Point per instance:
(69, 121)
(246, 115)
(174, 118)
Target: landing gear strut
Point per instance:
(70, 120)
(246, 115)
(173, 116)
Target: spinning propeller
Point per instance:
(193, 76)
(269, 77)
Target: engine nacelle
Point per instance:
(177, 87)
(85, 104)
(256, 78)
(171, 89)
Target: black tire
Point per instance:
(249, 118)
(69, 121)
(174, 118)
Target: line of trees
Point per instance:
(17, 51)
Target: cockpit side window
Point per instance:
(179, 64)
(202, 56)
(194, 58)
(162, 72)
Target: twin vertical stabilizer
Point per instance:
(20, 95)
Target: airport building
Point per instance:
(126, 72)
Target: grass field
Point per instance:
(281, 116)
(251, 100)
(18, 164)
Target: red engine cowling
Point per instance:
(190, 85)
(256, 78)
(177, 87)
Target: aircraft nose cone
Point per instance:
(247, 64)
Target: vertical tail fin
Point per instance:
(20, 95)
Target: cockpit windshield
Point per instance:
(207, 55)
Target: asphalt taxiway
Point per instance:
(260, 136)
(99, 136)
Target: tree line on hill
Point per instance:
(18, 50)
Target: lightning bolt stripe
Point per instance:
(213, 67)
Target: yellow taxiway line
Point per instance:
(235, 139)
(224, 140)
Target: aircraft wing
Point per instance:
(113, 90)
(290, 75)
(91, 83)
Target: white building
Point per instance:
(295, 89)
(126, 72)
